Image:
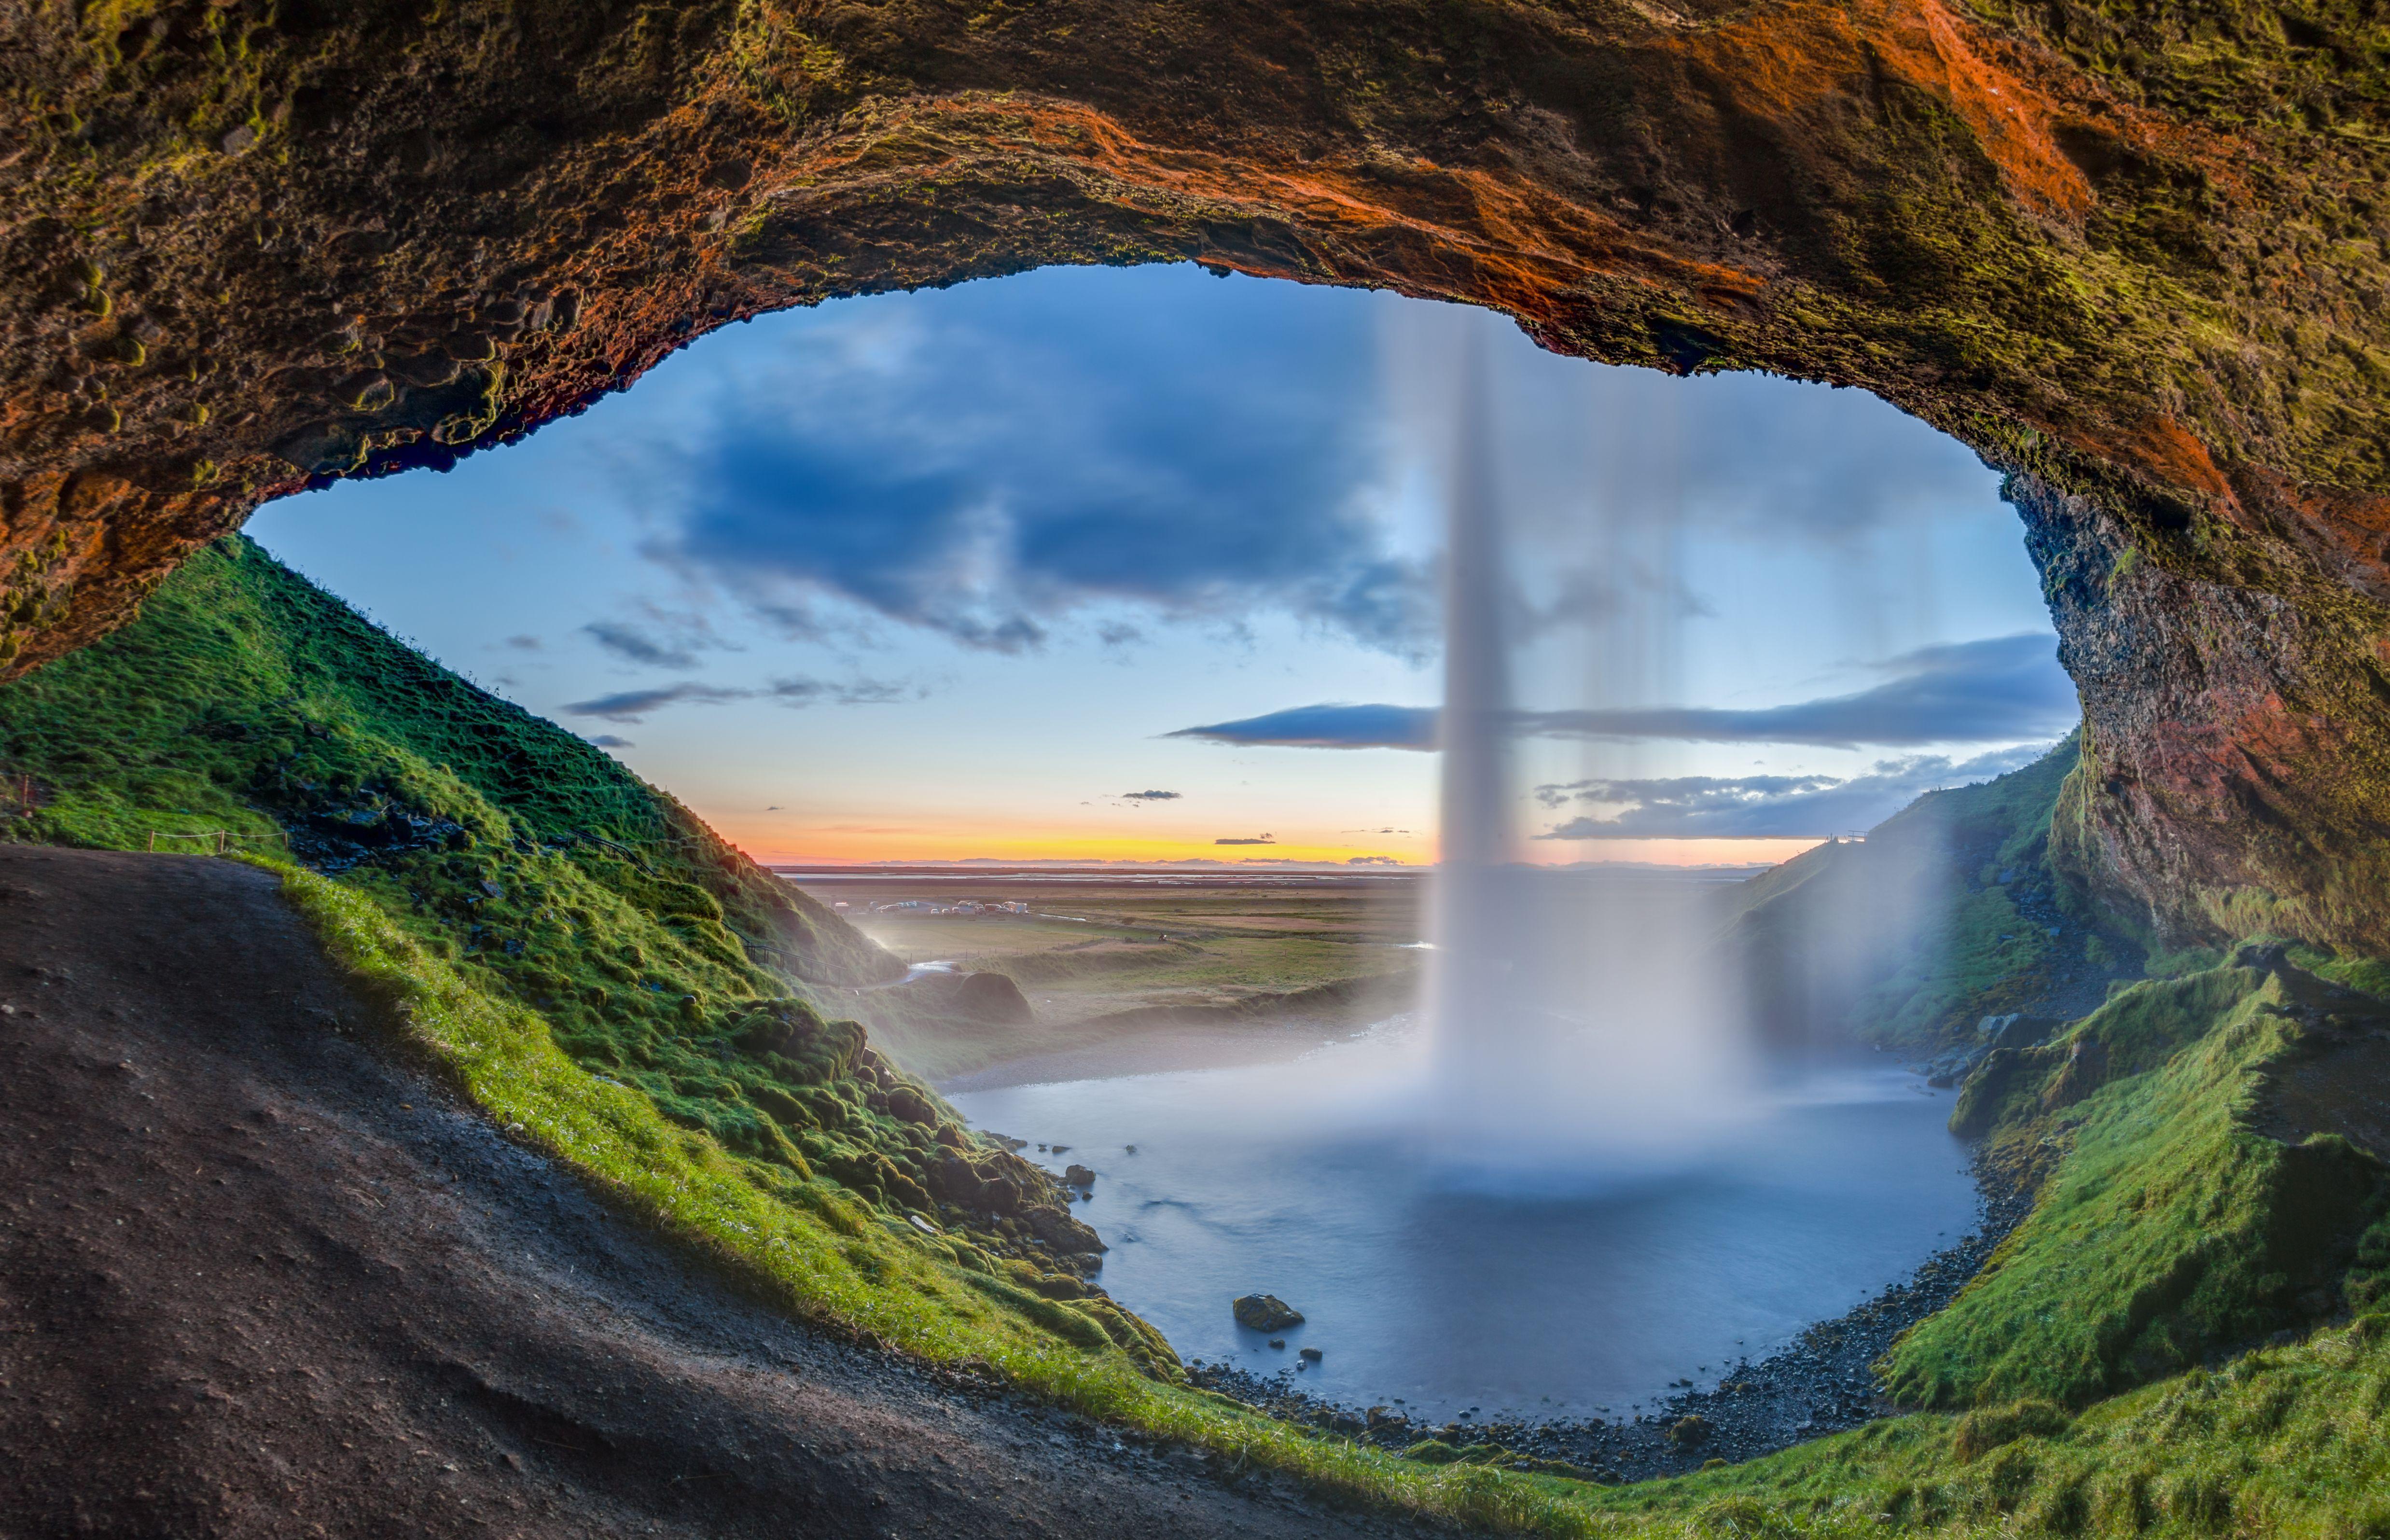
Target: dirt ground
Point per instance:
(256, 1280)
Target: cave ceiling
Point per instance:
(2132, 254)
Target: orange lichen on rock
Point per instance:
(1804, 60)
(1495, 236)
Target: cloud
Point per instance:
(1327, 727)
(1148, 796)
(607, 740)
(633, 705)
(1263, 839)
(523, 643)
(1998, 689)
(627, 641)
(802, 691)
(990, 460)
(1372, 861)
(1694, 807)
(1743, 454)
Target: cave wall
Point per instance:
(2133, 255)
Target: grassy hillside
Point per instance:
(1948, 911)
(2173, 1226)
(249, 704)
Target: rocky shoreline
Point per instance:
(1820, 1384)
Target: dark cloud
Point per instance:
(523, 643)
(1327, 727)
(1998, 689)
(1148, 796)
(998, 458)
(1262, 840)
(607, 740)
(630, 642)
(1690, 807)
(1372, 861)
(802, 691)
(633, 705)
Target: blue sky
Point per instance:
(1105, 564)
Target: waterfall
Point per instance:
(1577, 1034)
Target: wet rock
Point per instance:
(2015, 1029)
(1955, 1066)
(1078, 1176)
(1062, 1232)
(1311, 1353)
(1265, 1312)
(1689, 1433)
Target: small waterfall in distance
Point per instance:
(1576, 1034)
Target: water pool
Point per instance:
(1565, 1291)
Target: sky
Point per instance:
(1142, 564)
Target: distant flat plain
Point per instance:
(1130, 971)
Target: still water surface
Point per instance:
(1565, 1291)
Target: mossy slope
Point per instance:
(1948, 911)
(2172, 1229)
(249, 704)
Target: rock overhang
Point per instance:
(258, 246)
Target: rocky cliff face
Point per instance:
(2134, 254)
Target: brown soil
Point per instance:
(256, 1279)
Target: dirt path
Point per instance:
(254, 1280)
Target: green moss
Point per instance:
(2171, 1228)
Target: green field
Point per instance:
(1110, 957)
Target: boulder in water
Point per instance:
(1077, 1176)
(1266, 1312)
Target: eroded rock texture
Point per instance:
(2132, 253)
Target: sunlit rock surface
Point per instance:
(2135, 257)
